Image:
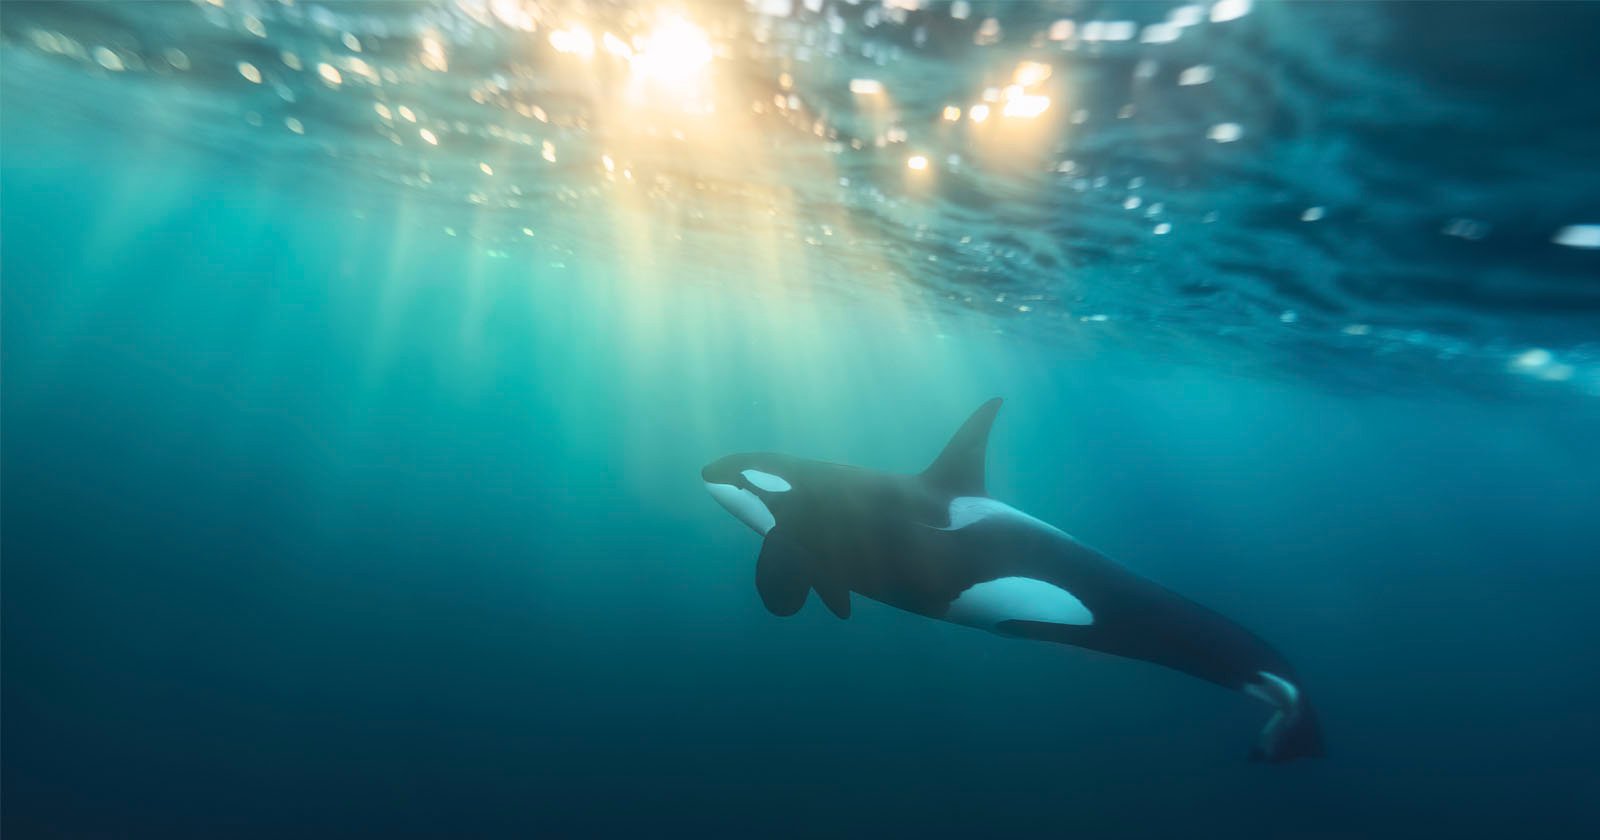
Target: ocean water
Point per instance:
(360, 360)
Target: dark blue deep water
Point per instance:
(360, 360)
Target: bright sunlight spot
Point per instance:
(1025, 105)
(576, 41)
(673, 53)
(1030, 73)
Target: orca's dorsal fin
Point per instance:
(959, 468)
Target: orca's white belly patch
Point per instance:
(987, 604)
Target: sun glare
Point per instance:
(674, 53)
(1030, 73)
(576, 41)
(1025, 105)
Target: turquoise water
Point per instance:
(351, 477)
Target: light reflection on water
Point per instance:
(1326, 185)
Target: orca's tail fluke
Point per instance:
(1293, 731)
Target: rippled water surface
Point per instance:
(1383, 192)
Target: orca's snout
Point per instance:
(724, 470)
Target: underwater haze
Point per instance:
(360, 361)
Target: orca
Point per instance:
(937, 545)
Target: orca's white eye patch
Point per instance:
(767, 481)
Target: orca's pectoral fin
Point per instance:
(836, 597)
(783, 575)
